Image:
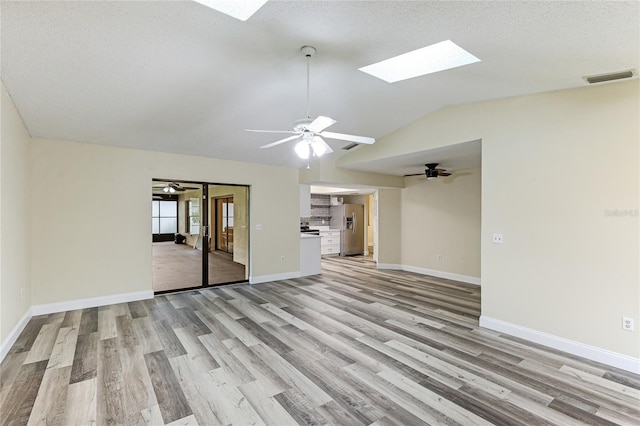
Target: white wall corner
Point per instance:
(274, 277)
(15, 333)
(593, 353)
(92, 302)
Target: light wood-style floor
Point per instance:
(179, 266)
(352, 346)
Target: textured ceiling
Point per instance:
(180, 77)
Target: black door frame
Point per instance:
(204, 218)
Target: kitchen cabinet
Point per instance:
(329, 241)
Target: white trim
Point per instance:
(274, 277)
(432, 272)
(72, 305)
(593, 353)
(442, 274)
(15, 333)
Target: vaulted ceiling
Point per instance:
(180, 77)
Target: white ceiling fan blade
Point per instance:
(320, 123)
(323, 147)
(271, 131)
(351, 138)
(290, 138)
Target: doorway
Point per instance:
(188, 251)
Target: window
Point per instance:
(194, 216)
(164, 217)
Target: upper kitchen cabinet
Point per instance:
(305, 201)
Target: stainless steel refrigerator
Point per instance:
(349, 218)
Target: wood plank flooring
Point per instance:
(352, 346)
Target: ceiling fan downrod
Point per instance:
(308, 52)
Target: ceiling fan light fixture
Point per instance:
(302, 149)
(310, 130)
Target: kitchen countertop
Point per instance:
(304, 236)
(323, 228)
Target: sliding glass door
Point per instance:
(187, 251)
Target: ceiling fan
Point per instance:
(432, 171)
(311, 130)
(171, 187)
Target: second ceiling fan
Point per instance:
(431, 171)
(311, 130)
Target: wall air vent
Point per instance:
(601, 78)
(350, 146)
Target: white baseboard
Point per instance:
(274, 277)
(13, 336)
(593, 353)
(432, 272)
(92, 302)
(442, 274)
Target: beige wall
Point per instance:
(14, 217)
(553, 164)
(389, 227)
(442, 217)
(90, 240)
(325, 172)
(561, 160)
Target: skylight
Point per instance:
(239, 9)
(437, 57)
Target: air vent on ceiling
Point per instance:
(350, 146)
(601, 78)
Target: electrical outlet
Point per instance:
(439, 257)
(627, 324)
(281, 258)
(498, 238)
